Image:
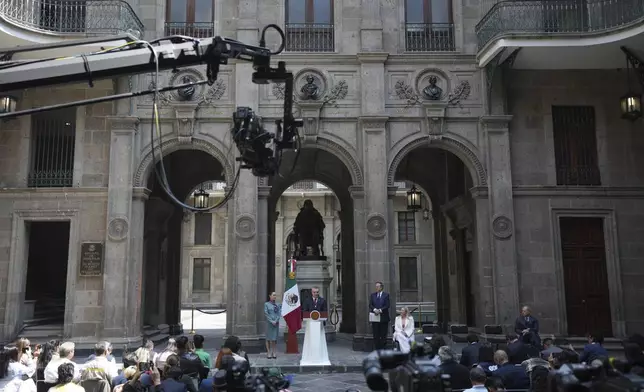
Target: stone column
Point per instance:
(122, 271)
(371, 26)
(482, 270)
(501, 218)
(361, 269)
(394, 288)
(263, 220)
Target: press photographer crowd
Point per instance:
(182, 366)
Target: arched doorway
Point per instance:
(446, 181)
(316, 166)
(164, 221)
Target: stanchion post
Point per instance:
(192, 321)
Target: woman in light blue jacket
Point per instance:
(273, 313)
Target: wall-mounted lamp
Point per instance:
(7, 104)
(201, 199)
(414, 199)
(631, 103)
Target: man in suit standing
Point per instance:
(527, 327)
(379, 306)
(315, 302)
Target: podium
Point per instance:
(315, 352)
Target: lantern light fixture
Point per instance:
(414, 197)
(201, 198)
(631, 105)
(7, 104)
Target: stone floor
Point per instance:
(331, 382)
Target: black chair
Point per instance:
(458, 333)
(430, 329)
(494, 334)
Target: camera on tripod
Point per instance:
(411, 372)
(611, 375)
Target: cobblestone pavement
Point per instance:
(335, 382)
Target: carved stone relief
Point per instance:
(199, 95)
(431, 86)
(118, 228)
(376, 226)
(502, 227)
(245, 227)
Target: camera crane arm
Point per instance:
(137, 57)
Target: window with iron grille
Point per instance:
(201, 275)
(407, 267)
(194, 18)
(203, 229)
(53, 135)
(309, 26)
(406, 227)
(429, 26)
(575, 142)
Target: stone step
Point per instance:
(40, 324)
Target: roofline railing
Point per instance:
(75, 18)
(557, 18)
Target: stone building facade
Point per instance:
(426, 91)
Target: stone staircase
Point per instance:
(47, 321)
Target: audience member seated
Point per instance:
(470, 353)
(549, 348)
(99, 368)
(172, 380)
(594, 349)
(477, 378)
(125, 376)
(17, 373)
(486, 360)
(198, 341)
(404, 330)
(66, 372)
(232, 346)
(494, 384)
(170, 349)
(517, 351)
(435, 343)
(149, 381)
(65, 355)
(513, 376)
(173, 362)
(459, 374)
(46, 355)
(538, 370)
(190, 362)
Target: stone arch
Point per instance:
(321, 177)
(169, 146)
(348, 159)
(458, 148)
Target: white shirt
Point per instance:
(476, 388)
(51, 370)
(408, 329)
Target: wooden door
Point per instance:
(585, 276)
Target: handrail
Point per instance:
(85, 18)
(557, 17)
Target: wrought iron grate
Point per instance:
(310, 37)
(575, 145)
(53, 137)
(557, 17)
(73, 17)
(429, 37)
(195, 30)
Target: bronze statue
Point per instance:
(186, 93)
(309, 231)
(310, 90)
(432, 91)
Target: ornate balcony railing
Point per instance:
(72, 17)
(308, 186)
(195, 30)
(557, 17)
(429, 37)
(308, 37)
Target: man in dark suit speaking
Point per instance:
(379, 316)
(315, 302)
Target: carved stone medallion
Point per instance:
(502, 227)
(118, 228)
(310, 85)
(245, 226)
(376, 226)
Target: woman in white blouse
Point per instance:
(404, 330)
(16, 370)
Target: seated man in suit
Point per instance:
(594, 349)
(527, 327)
(470, 353)
(517, 351)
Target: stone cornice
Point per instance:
(372, 57)
(578, 192)
(141, 194)
(123, 123)
(496, 120)
(373, 123)
(263, 191)
(357, 192)
(53, 193)
(434, 58)
(392, 191)
(479, 192)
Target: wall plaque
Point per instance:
(91, 259)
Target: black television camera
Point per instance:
(251, 140)
(612, 376)
(411, 372)
(234, 377)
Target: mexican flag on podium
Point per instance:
(291, 305)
